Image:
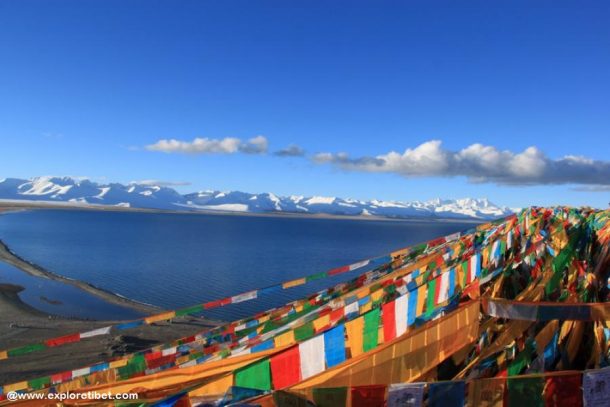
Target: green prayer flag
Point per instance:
(371, 330)
(135, 365)
(330, 397)
(39, 383)
(190, 310)
(559, 264)
(525, 391)
(26, 349)
(304, 332)
(316, 276)
(521, 361)
(270, 326)
(254, 376)
(430, 298)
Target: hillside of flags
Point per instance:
(511, 313)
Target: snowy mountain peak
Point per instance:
(147, 195)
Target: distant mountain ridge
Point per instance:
(136, 195)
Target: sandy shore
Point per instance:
(20, 324)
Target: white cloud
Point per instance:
(291, 151)
(227, 145)
(256, 145)
(478, 163)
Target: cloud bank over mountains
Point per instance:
(227, 145)
(478, 163)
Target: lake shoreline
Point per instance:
(22, 324)
(10, 257)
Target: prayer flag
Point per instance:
(389, 321)
(312, 356)
(330, 396)
(371, 330)
(256, 375)
(413, 306)
(368, 396)
(96, 332)
(334, 345)
(250, 295)
(446, 394)
(432, 293)
(563, 391)
(596, 388)
(406, 395)
(354, 329)
(304, 332)
(486, 392)
(285, 368)
(525, 391)
(286, 338)
(401, 305)
(474, 267)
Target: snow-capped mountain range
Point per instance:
(138, 195)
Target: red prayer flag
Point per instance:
(61, 377)
(437, 290)
(62, 340)
(161, 361)
(212, 304)
(337, 314)
(563, 391)
(286, 368)
(389, 321)
(368, 396)
(436, 242)
(153, 355)
(338, 270)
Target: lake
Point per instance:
(176, 260)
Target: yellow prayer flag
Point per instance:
(355, 330)
(294, 283)
(15, 387)
(376, 296)
(285, 339)
(321, 322)
(117, 363)
(366, 307)
(160, 317)
(421, 300)
(362, 293)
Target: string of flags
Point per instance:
(563, 388)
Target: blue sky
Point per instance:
(93, 88)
